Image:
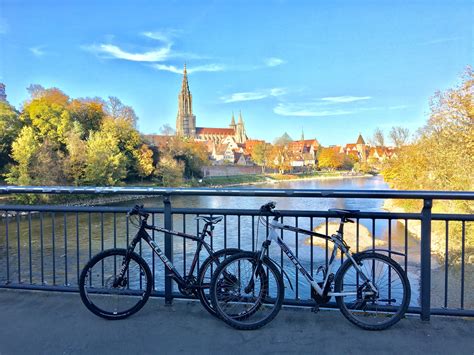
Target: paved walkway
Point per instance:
(58, 323)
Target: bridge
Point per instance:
(57, 323)
(44, 247)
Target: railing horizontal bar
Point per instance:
(321, 193)
(246, 212)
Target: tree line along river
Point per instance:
(68, 240)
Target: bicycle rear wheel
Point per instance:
(247, 293)
(205, 275)
(373, 312)
(106, 300)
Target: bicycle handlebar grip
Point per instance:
(268, 206)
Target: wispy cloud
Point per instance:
(325, 106)
(112, 51)
(163, 55)
(440, 40)
(158, 36)
(344, 99)
(307, 110)
(199, 68)
(37, 51)
(253, 95)
(274, 62)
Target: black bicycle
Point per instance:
(371, 289)
(117, 283)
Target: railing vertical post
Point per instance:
(426, 259)
(168, 219)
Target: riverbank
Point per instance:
(240, 180)
(212, 182)
(438, 237)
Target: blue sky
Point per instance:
(332, 68)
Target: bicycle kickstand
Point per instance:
(315, 309)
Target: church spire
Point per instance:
(232, 121)
(241, 122)
(302, 134)
(185, 120)
(185, 84)
(240, 135)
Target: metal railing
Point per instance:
(45, 246)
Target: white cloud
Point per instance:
(37, 51)
(273, 62)
(343, 99)
(199, 68)
(307, 110)
(253, 95)
(157, 55)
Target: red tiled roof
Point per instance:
(250, 145)
(217, 131)
(298, 146)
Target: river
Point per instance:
(60, 245)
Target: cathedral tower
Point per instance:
(185, 120)
(240, 135)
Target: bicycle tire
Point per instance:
(387, 317)
(203, 298)
(118, 255)
(239, 322)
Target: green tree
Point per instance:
(144, 158)
(48, 115)
(128, 142)
(75, 161)
(23, 150)
(170, 171)
(193, 155)
(45, 168)
(10, 127)
(89, 113)
(261, 154)
(105, 164)
(440, 158)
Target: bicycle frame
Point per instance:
(143, 234)
(338, 244)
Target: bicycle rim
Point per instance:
(373, 312)
(107, 298)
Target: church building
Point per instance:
(186, 121)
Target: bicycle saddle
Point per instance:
(211, 220)
(341, 211)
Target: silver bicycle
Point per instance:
(371, 289)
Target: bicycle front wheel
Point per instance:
(108, 297)
(361, 306)
(245, 292)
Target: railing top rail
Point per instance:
(255, 192)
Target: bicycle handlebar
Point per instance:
(137, 210)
